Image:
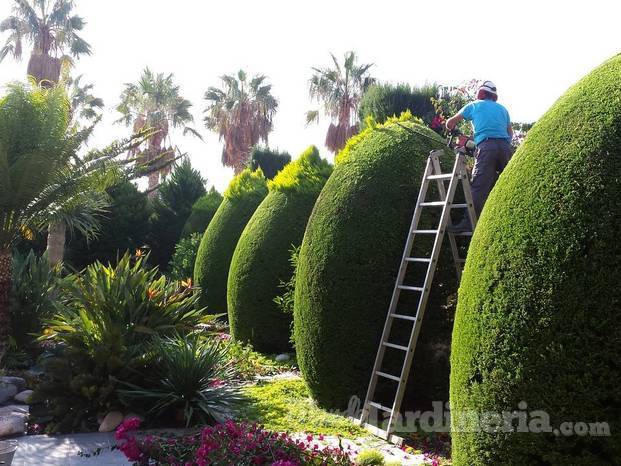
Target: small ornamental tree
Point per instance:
(242, 197)
(349, 260)
(538, 324)
(262, 258)
(202, 213)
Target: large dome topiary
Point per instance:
(244, 194)
(350, 256)
(262, 258)
(538, 324)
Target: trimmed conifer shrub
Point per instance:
(538, 324)
(349, 259)
(382, 101)
(202, 213)
(271, 161)
(262, 258)
(242, 197)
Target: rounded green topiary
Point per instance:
(244, 194)
(261, 260)
(202, 213)
(538, 324)
(350, 256)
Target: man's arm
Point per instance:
(510, 130)
(452, 122)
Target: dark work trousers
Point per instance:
(491, 158)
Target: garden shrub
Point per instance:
(106, 318)
(181, 266)
(270, 161)
(261, 259)
(348, 263)
(539, 312)
(242, 197)
(382, 101)
(123, 227)
(171, 209)
(202, 213)
(33, 297)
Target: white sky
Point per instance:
(532, 50)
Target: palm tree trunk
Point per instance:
(45, 69)
(154, 182)
(56, 243)
(5, 287)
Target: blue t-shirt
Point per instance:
(489, 120)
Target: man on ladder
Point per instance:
(492, 135)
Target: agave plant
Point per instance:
(191, 376)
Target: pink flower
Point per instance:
(126, 426)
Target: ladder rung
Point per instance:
(445, 176)
(379, 406)
(410, 288)
(418, 259)
(459, 206)
(402, 316)
(463, 233)
(461, 261)
(425, 232)
(392, 345)
(432, 203)
(387, 376)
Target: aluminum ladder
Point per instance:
(432, 174)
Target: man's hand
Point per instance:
(452, 122)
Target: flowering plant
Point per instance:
(230, 443)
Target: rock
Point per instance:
(13, 420)
(35, 372)
(7, 391)
(23, 396)
(283, 357)
(17, 381)
(111, 421)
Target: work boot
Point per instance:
(463, 226)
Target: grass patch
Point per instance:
(250, 364)
(286, 406)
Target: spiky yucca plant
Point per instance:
(191, 376)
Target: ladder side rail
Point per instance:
(452, 240)
(468, 193)
(405, 371)
(396, 290)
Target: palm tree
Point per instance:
(155, 103)
(51, 29)
(84, 105)
(242, 114)
(42, 181)
(340, 90)
(85, 112)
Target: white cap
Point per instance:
(489, 87)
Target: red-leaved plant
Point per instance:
(230, 443)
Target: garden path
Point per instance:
(63, 450)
